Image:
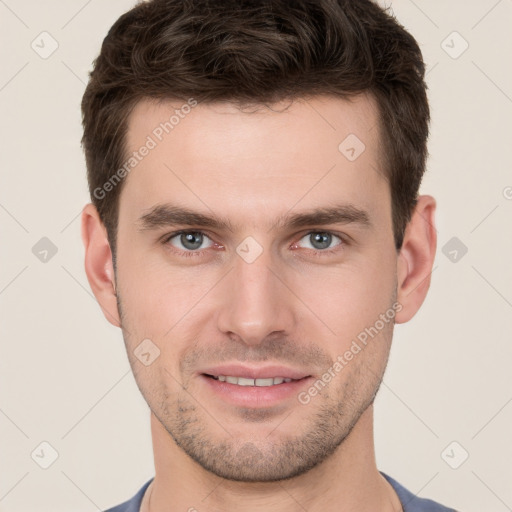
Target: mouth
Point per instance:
(244, 381)
(256, 388)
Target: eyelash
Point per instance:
(188, 254)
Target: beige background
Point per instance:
(65, 377)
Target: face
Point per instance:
(287, 269)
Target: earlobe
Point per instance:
(416, 258)
(98, 263)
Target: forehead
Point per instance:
(280, 125)
(216, 156)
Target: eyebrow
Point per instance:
(162, 215)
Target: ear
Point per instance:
(416, 258)
(98, 263)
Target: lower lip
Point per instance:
(255, 396)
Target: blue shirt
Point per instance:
(409, 501)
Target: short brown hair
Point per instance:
(247, 51)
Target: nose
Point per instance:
(256, 301)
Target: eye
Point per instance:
(188, 240)
(192, 243)
(321, 241)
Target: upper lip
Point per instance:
(255, 372)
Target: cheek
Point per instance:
(348, 298)
(159, 300)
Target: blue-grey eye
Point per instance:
(320, 240)
(190, 241)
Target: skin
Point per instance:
(294, 305)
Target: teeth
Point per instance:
(243, 381)
(265, 382)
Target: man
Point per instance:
(256, 231)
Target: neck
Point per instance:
(347, 481)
